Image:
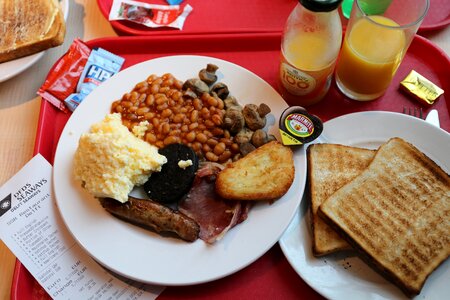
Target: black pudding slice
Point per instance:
(172, 182)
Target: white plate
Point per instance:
(145, 256)
(344, 276)
(14, 67)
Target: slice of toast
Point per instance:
(28, 27)
(264, 174)
(397, 214)
(330, 166)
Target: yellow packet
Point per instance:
(420, 87)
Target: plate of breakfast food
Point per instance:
(378, 195)
(197, 135)
(45, 19)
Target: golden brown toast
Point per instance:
(264, 174)
(397, 214)
(28, 27)
(330, 166)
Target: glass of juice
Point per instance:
(374, 45)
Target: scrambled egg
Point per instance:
(140, 129)
(183, 164)
(110, 160)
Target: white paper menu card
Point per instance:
(31, 227)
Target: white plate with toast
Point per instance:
(344, 275)
(146, 256)
(14, 67)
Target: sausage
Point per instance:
(153, 215)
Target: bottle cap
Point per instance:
(320, 5)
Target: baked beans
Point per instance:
(174, 119)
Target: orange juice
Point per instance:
(310, 45)
(370, 56)
(309, 51)
(307, 64)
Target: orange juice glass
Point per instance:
(374, 46)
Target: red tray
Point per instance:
(271, 276)
(209, 16)
(234, 16)
(438, 16)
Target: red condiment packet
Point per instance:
(63, 77)
(150, 15)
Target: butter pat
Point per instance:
(110, 160)
(421, 88)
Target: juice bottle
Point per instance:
(374, 52)
(309, 48)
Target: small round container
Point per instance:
(298, 127)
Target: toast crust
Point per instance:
(28, 27)
(264, 174)
(396, 214)
(330, 166)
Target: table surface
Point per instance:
(19, 106)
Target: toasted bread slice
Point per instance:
(396, 213)
(330, 166)
(264, 174)
(28, 27)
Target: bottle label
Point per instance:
(295, 81)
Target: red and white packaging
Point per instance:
(150, 15)
(63, 77)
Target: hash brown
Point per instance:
(264, 174)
